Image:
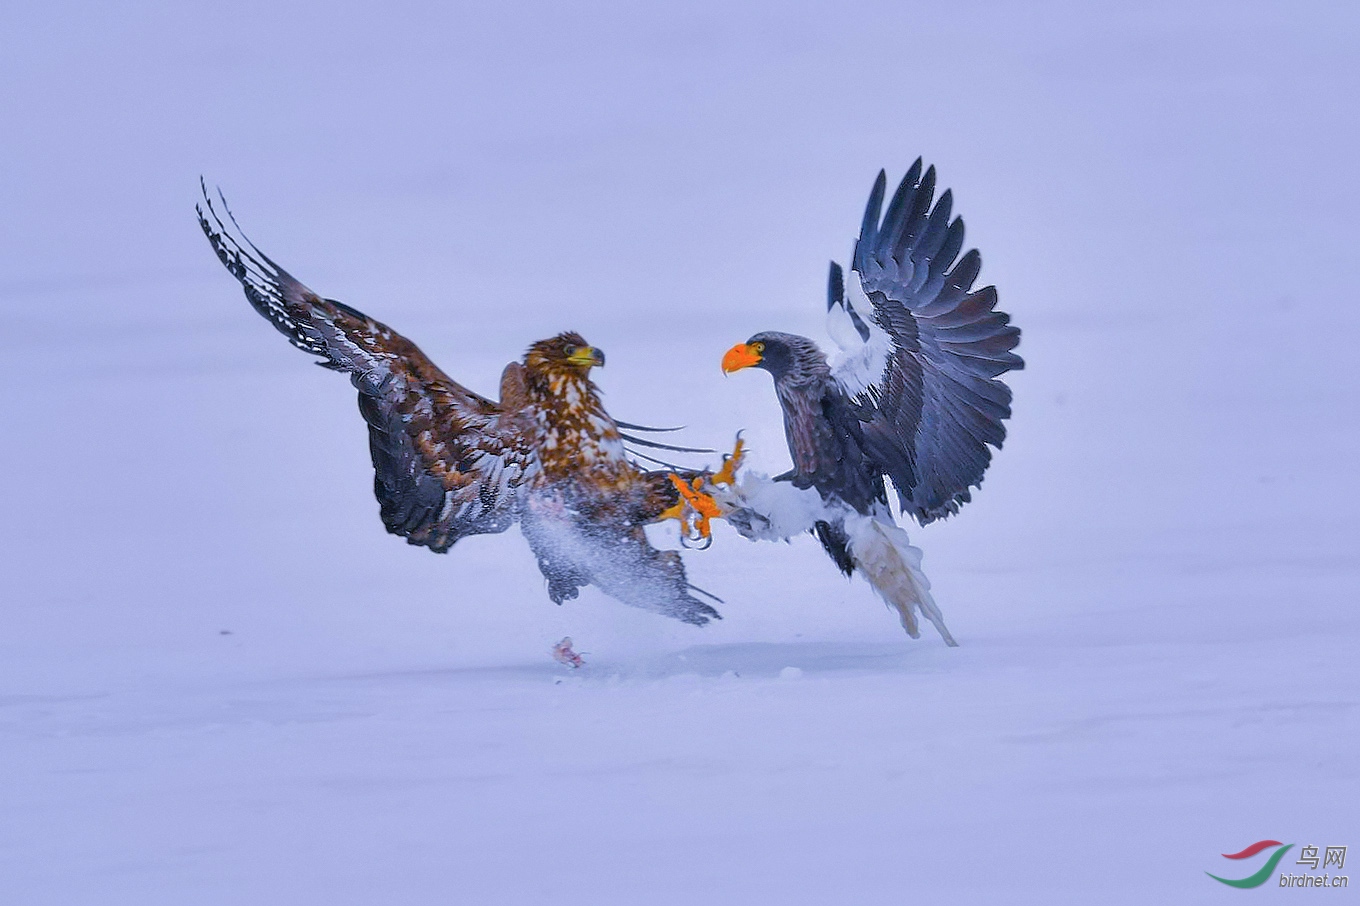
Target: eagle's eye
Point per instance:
(758, 347)
(570, 351)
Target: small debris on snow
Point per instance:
(790, 673)
(563, 654)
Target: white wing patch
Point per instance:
(859, 364)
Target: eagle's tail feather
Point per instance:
(642, 441)
(707, 594)
(892, 565)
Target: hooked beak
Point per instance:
(743, 355)
(587, 357)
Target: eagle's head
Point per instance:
(787, 357)
(565, 354)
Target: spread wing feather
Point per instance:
(447, 462)
(924, 374)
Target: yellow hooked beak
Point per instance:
(743, 355)
(586, 357)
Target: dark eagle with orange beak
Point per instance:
(912, 396)
(449, 463)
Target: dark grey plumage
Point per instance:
(824, 432)
(937, 404)
(926, 417)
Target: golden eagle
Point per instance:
(449, 463)
(912, 396)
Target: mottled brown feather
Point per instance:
(449, 463)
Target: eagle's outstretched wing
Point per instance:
(448, 463)
(920, 351)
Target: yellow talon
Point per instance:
(700, 502)
(695, 508)
(674, 512)
(731, 463)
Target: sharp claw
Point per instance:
(731, 463)
(700, 542)
(694, 511)
(702, 504)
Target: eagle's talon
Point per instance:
(731, 463)
(696, 509)
(702, 504)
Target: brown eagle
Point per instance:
(913, 396)
(449, 463)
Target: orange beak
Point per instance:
(738, 357)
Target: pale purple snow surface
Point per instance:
(223, 683)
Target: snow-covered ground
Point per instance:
(222, 683)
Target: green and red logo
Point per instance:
(1259, 878)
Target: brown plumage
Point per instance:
(449, 463)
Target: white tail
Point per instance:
(892, 566)
(764, 509)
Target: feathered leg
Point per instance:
(617, 559)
